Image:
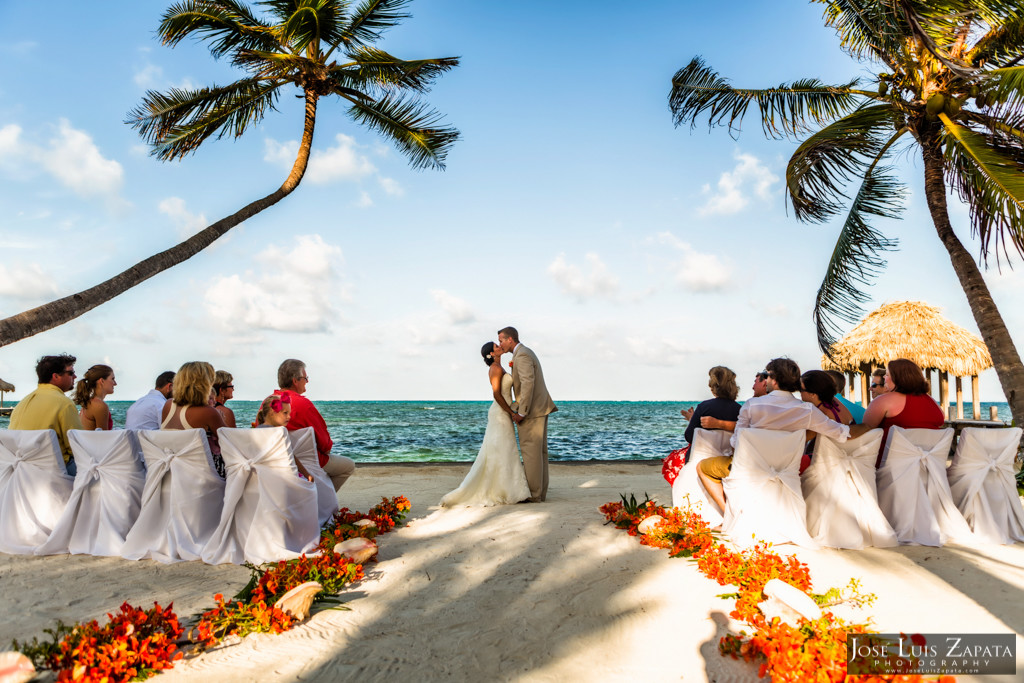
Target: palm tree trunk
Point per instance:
(48, 316)
(993, 330)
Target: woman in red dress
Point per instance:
(906, 402)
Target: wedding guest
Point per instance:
(275, 411)
(293, 379)
(818, 389)
(722, 382)
(47, 407)
(189, 407)
(760, 388)
(224, 391)
(778, 409)
(877, 387)
(905, 402)
(96, 385)
(145, 413)
(856, 410)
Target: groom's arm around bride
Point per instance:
(532, 405)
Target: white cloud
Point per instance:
(391, 186)
(71, 157)
(735, 187)
(697, 271)
(186, 222)
(296, 290)
(459, 312)
(340, 162)
(659, 351)
(148, 76)
(364, 201)
(598, 282)
(26, 281)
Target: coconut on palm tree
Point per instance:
(322, 48)
(950, 89)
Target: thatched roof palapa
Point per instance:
(6, 386)
(914, 330)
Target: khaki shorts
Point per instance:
(716, 468)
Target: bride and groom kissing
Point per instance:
(521, 400)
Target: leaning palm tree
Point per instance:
(951, 90)
(321, 47)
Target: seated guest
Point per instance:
(780, 410)
(47, 407)
(760, 389)
(224, 391)
(292, 379)
(877, 387)
(817, 388)
(145, 413)
(722, 382)
(96, 385)
(856, 410)
(190, 406)
(275, 411)
(905, 402)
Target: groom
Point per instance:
(532, 405)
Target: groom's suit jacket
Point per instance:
(531, 394)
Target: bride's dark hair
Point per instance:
(486, 352)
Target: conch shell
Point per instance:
(647, 526)
(365, 522)
(788, 603)
(359, 550)
(297, 601)
(15, 668)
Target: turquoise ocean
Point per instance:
(451, 431)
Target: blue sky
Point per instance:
(632, 256)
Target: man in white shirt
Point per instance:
(779, 409)
(145, 413)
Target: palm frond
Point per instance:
(990, 180)
(833, 157)
(856, 259)
(1005, 88)
(372, 17)
(787, 110)
(1002, 43)
(227, 25)
(414, 128)
(177, 123)
(867, 28)
(373, 66)
(275, 65)
(313, 24)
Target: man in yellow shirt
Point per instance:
(47, 407)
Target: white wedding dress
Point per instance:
(497, 476)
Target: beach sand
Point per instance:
(534, 592)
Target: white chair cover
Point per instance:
(763, 500)
(913, 491)
(181, 501)
(304, 448)
(270, 513)
(982, 485)
(34, 488)
(105, 499)
(842, 501)
(687, 488)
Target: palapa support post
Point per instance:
(944, 391)
(928, 378)
(993, 413)
(959, 398)
(975, 398)
(851, 377)
(865, 373)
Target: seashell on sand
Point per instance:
(647, 526)
(788, 603)
(365, 522)
(298, 600)
(15, 668)
(358, 550)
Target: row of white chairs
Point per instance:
(155, 494)
(841, 501)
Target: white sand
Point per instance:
(524, 592)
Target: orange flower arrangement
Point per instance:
(815, 651)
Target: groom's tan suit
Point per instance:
(533, 402)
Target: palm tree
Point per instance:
(322, 47)
(951, 90)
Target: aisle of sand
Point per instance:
(523, 592)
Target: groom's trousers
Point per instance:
(533, 443)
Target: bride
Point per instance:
(497, 476)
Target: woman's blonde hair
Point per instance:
(722, 382)
(193, 383)
(85, 390)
